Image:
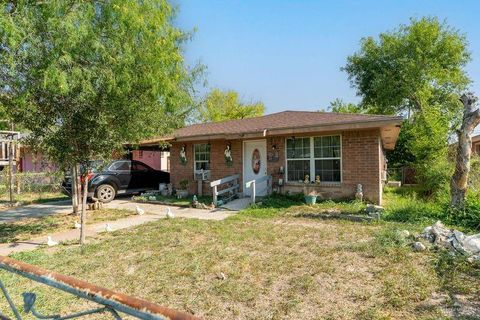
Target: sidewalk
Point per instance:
(153, 213)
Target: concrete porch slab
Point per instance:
(237, 204)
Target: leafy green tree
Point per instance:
(417, 71)
(429, 143)
(84, 77)
(411, 68)
(339, 106)
(226, 105)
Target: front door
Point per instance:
(255, 165)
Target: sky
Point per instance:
(288, 54)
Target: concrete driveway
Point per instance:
(35, 210)
(62, 207)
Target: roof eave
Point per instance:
(294, 130)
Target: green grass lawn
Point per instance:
(33, 227)
(31, 197)
(277, 266)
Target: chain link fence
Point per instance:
(32, 182)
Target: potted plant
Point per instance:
(183, 191)
(309, 191)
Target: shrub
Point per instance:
(469, 217)
(407, 205)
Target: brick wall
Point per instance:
(218, 166)
(362, 163)
(476, 147)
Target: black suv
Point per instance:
(120, 177)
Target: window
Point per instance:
(327, 158)
(202, 157)
(314, 156)
(137, 166)
(298, 158)
(120, 166)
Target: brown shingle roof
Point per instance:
(280, 120)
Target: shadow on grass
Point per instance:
(11, 232)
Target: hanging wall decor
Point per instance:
(228, 155)
(183, 155)
(273, 155)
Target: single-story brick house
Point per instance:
(336, 151)
(476, 144)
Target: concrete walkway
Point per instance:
(181, 212)
(237, 204)
(153, 212)
(35, 210)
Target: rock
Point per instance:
(453, 240)
(374, 211)
(333, 211)
(404, 233)
(395, 184)
(418, 246)
(375, 215)
(371, 208)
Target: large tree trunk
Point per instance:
(83, 216)
(459, 181)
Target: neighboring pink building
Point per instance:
(158, 160)
(34, 162)
(29, 161)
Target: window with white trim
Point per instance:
(314, 156)
(298, 158)
(202, 157)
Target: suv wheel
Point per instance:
(106, 193)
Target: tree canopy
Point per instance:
(226, 105)
(84, 77)
(410, 68)
(339, 106)
(416, 70)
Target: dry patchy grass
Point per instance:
(276, 268)
(33, 227)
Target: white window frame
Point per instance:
(312, 158)
(195, 171)
(293, 159)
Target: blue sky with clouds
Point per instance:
(288, 54)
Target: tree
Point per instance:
(459, 181)
(411, 68)
(339, 106)
(417, 71)
(84, 77)
(226, 105)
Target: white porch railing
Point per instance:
(230, 179)
(252, 185)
